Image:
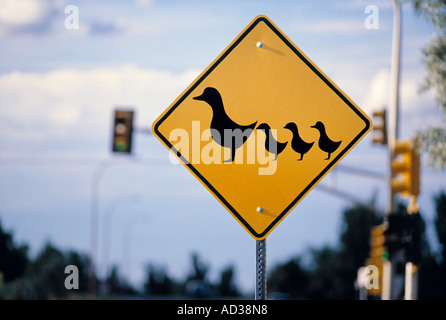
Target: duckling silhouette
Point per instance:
(221, 123)
(271, 144)
(325, 143)
(298, 145)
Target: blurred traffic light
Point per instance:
(404, 231)
(377, 240)
(413, 238)
(405, 169)
(378, 253)
(395, 226)
(380, 127)
(123, 131)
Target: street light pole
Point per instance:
(393, 121)
(108, 214)
(389, 266)
(94, 221)
(94, 226)
(127, 243)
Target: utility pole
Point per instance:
(94, 222)
(389, 268)
(393, 120)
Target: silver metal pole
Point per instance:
(94, 226)
(389, 270)
(94, 222)
(394, 93)
(411, 287)
(260, 270)
(386, 280)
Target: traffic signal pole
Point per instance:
(411, 280)
(399, 272)
(393, 119)
(389, 274)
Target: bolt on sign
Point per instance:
(261, 126)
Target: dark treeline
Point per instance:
(328, 272)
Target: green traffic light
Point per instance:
(120, 144)
(121, 147)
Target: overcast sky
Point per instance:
(59, 86)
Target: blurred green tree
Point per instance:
(432, 275)
(290, 278)
(433, 139)
(199, 268)
(226, 285)
(354, 246)
(440, 224)
(13, 257)
(46, 274)
(197, 284)
(117, 285)
(324, 269)
(440, 227)
(158, 282)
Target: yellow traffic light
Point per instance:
(377, 240)
(376, 254)
(380, 127)
(405, 169)
(122, 131)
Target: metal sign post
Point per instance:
(260, 270)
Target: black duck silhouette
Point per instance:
(271, 144)
(325, 143)
(298, 145)
(224, 125)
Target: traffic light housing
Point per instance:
(377, 241)
(378, 253)
(414, 232)
(404, 232)
(396, 224)
(122, 131)
(405, 169)
(380, 127)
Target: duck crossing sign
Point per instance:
(261, 126)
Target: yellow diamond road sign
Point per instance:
(261, 126)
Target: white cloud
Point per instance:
(378, 93)
(416, 110)
(410, 98)
(28, 16)
(18, 12)
(145, 3)
(357, 4)
(335, 26)
(38, 106)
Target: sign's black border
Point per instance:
(314, 181)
